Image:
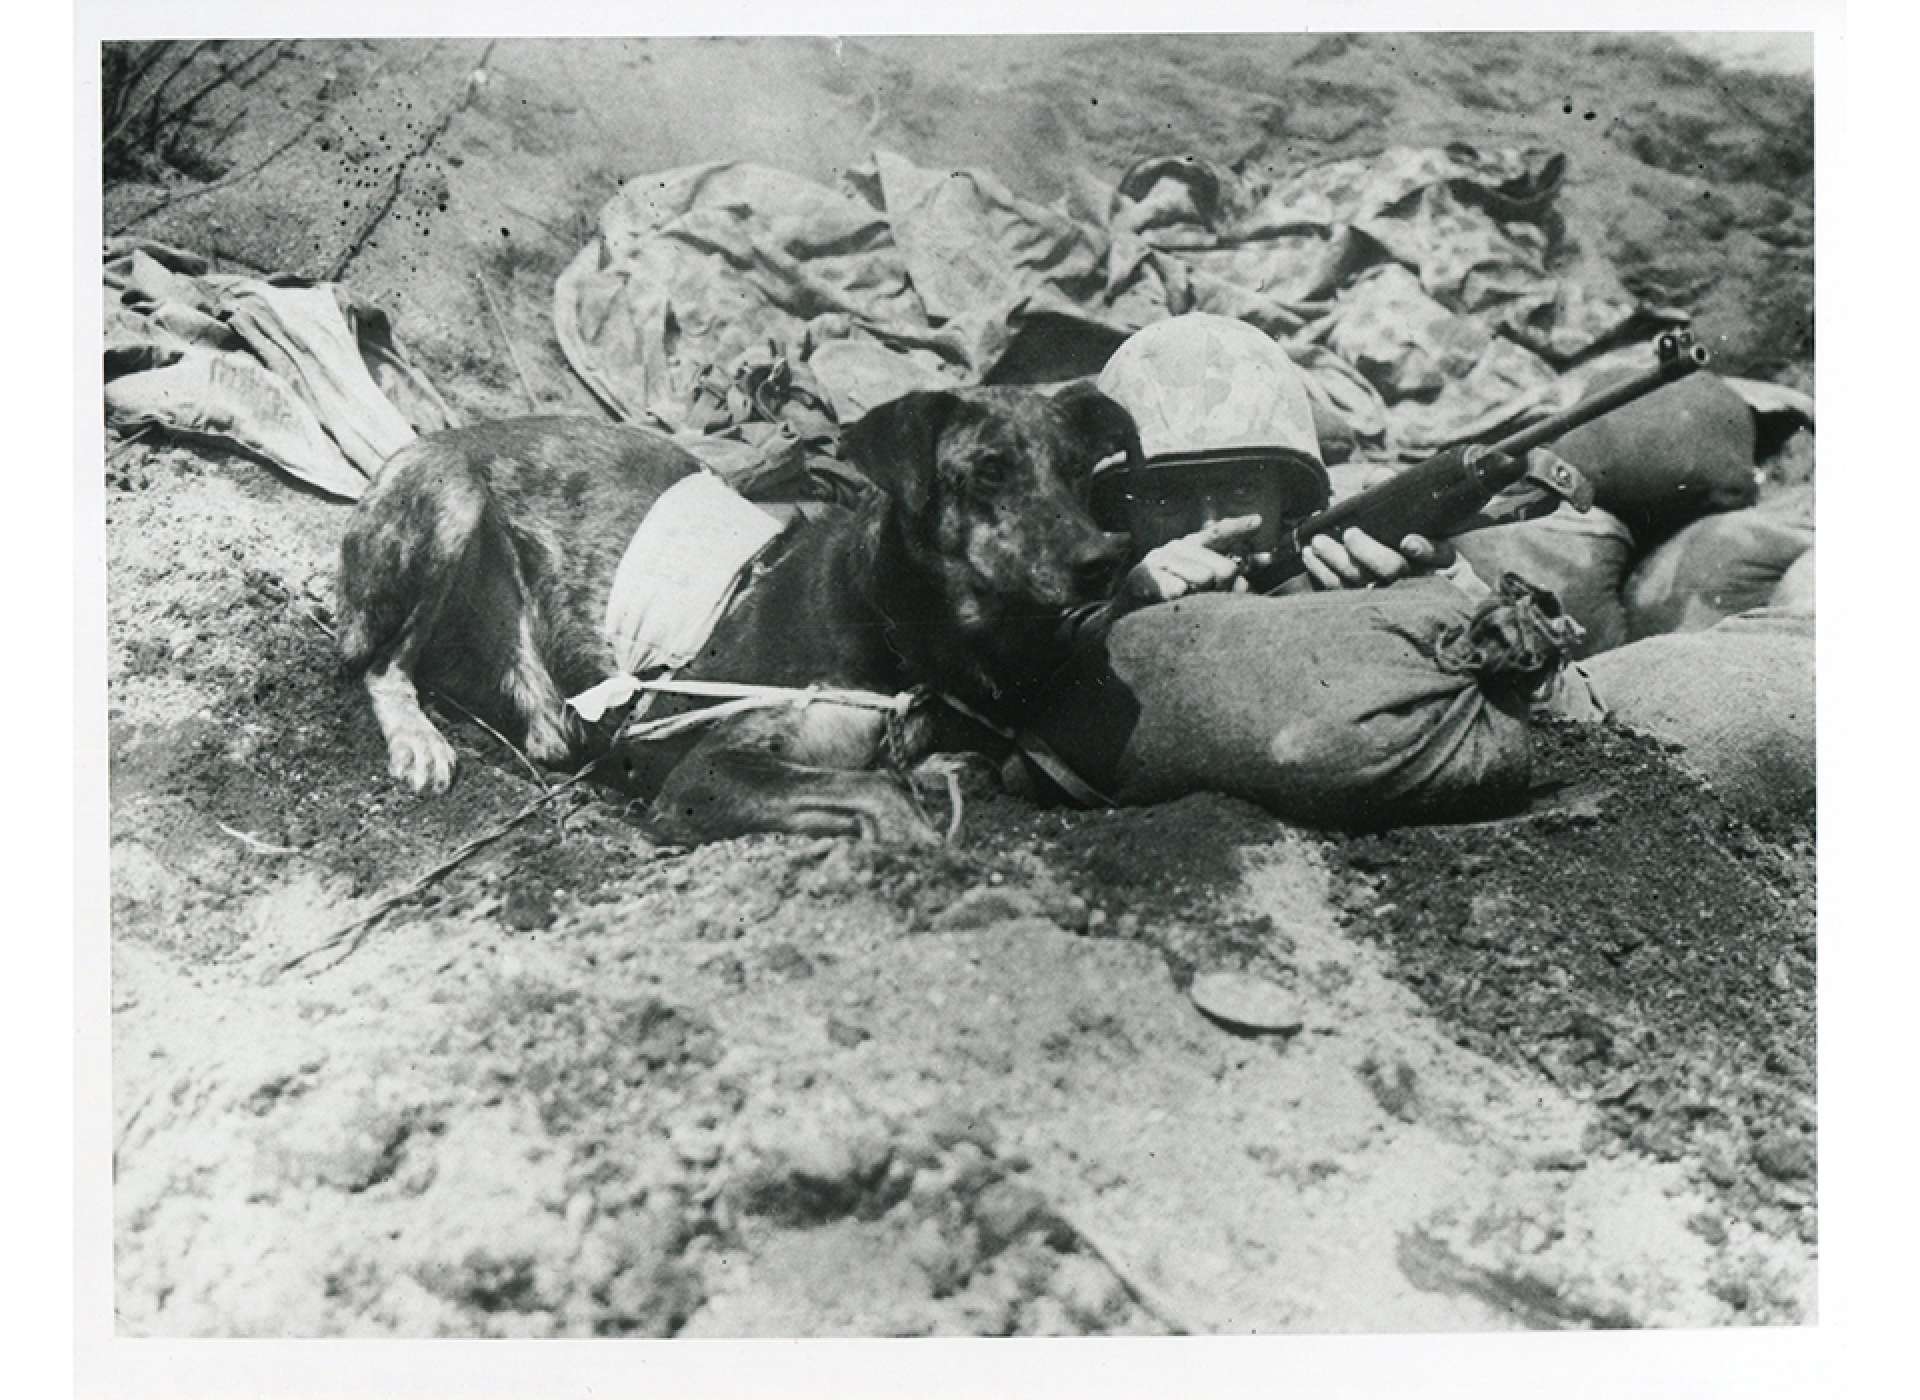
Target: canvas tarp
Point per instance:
(1428, 292)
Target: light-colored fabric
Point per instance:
(680, 571)
(300, 334)
(1795, 592)
(946, 277)
(303, 375)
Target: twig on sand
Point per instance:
(560, 235)
(533, 770)
(125, 445)
(526, 384)
(256, 845)
(152, 103)
(121, 96)
(511, 747)
(1144, 1293)
(126, 1128)
(318, 621)
(229, 74)
(183, 196)
(958, 805)
(349, 936)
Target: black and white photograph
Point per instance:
(988, 685)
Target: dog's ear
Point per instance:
(1099, 422)
(894, 443)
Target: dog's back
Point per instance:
(551, 501)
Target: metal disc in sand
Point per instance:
(1247, 1003)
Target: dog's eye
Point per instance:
(993, 470)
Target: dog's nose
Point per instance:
(1097, 565)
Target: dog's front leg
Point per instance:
(417, 753)
(738, 780)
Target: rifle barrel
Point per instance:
(1682, 360)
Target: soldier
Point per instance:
(1224, 414)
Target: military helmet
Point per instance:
(1226, 428)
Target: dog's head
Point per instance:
(987, 496)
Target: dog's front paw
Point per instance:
(422, 759)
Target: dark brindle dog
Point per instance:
(478, 566)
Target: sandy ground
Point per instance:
(1555, 1071)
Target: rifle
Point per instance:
(1442, 495)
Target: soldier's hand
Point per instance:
(1358, 560)
(1192, 564)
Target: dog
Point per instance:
(478, 565)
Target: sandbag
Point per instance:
(1671, 457)
(1349, 708)
(1583, 558)
(1795, 591)
(1739, 700)
(1337, 440)
(1720, 566)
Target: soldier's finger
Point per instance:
(1234, 527)
(1317, 570)
(1204, 562)
(1187, 571)
(1368, 553)
(1338, 561)
(1424, 553)
(1148, 582)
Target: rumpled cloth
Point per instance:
(766, 427)
(1429, 293)
(305, 375)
